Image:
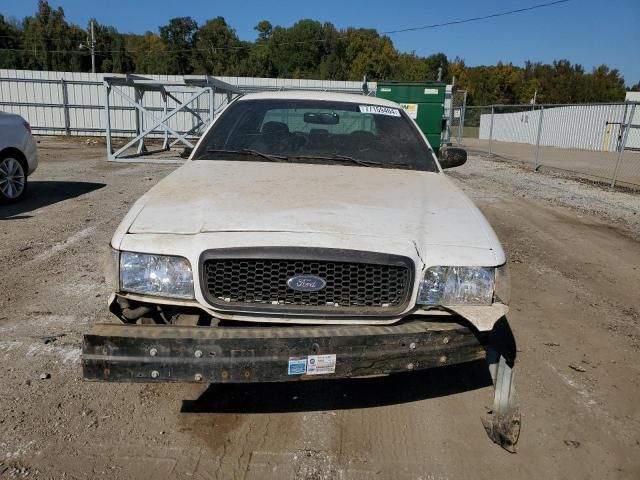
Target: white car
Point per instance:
(18, 156)
(309, 235)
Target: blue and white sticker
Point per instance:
(321, 364)
(297, 365)
(378, 110)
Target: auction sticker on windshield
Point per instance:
(377, 110)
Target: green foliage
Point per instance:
(10, 43)
(297, 51)
(178, 36)
(264, 29)
(307, 49)
(367, 53)
(116, 57)
(217, 49)
(149, 53)
(560, 82)
(50, 43)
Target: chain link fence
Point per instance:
(600, 142)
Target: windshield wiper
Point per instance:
(253, 153)
(282, 158)
(357, 161)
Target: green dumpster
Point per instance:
(423, 101)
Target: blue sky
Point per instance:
(589, 32)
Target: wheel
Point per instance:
(13, 179)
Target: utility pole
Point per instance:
(533, 100)
(91, 46)
(365, 86)
(93, 49)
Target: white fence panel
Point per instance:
(39, 96)
(585, 127)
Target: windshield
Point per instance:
(317, 131)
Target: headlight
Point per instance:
(457, 286)
(161, 275)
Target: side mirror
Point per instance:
(452, 157)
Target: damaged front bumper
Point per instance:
(155, 353)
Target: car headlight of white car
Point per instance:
(457, 286)
(161, 275)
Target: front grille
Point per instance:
(356, 282)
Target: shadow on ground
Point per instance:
(313, 395)
(43, 193)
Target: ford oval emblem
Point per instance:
(306, 283)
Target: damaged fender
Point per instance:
(482, 317)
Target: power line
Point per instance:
(40, 50)
(303, 42)
(476, 19)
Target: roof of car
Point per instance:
(316, 95)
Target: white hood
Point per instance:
(243, 196)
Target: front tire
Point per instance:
(13, 179)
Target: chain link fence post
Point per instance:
(491, 128)
(461, 119)
(623, 143)
(536, 163)
(65, 106)
(107, 120)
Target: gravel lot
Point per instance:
(592, 164)
(575, 263)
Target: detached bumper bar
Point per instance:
(154, 353)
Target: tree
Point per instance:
(307, 49)
(604, 85)
(297, 51)
(264, 29)
(112, 54)
(414, 68)
(178, 37)
(559, 82)
(51, 43)
(410, 67)
(149, 53)
(10, 44)
(434, 63)
(258, 61)
(332, 65)
(367, 53)
(218, 50)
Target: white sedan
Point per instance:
(310, 209)
(18, 156)
(310, 235)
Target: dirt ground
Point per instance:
(575, 263)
